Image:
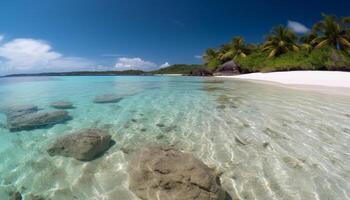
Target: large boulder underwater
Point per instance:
(84, 145)
(19, 110)
(163, 172)
(28, 117)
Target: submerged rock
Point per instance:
(62, 105)
(84, 145)
(162, 172)
(108, 98)
(15, 196)
(36, 120)
(19, 110)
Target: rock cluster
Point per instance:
(162, 172)
(84, 145)
(201, 72)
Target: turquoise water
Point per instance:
(267, 142)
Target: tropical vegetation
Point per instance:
(325, 47)
(176, 69)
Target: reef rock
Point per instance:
(19, 110)
(84, 145)
(108, 98)
(162, 172)
(62, 105)
(35, 120)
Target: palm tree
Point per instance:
(209, 55)
(281, 40)
(308, 41)
(225, 53)
(333, 32)
(236, 48)
(211, 59)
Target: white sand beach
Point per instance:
(304, 78)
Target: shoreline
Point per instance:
(331, 82)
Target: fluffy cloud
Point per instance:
(198, 56)
(166, 64)
(134, 63)
(2, 38)
(297, 27)
(30, 55)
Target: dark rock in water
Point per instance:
(17, 111)
(62, 105)
(84, 145)
(201, 72)
(160, 137)
(160, 125)
(36, 120)
(143, 129)
(108, 98)
(221, 106)
(15, 196)
(227, 69)
(266, 144)
(162, 172)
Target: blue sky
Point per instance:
(63, 35)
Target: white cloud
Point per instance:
(134, 63)
(297, 27)
(27, 55)
(166, 64)
(198, 56)
(2, 38)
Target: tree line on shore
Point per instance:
(325, 47)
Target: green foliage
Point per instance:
(235, 49)
(214, 63)
(280, 41)
(325, 47)
(176, 69)
(318, 59)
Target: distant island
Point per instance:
(83, 73)
(182, 69)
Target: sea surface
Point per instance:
(266, 141)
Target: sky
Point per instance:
(70, 35)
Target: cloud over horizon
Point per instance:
(166, 64)
(198, 56)
(297, 27)
(26, 55)
(134, 64)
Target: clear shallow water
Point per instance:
(267, 141)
